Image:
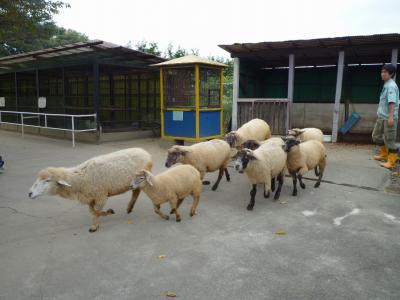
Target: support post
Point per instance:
(338, 94)
(394, 59)
(290, 91)
(16, 91)
(235, 92)
(22, 124)
(162, 101)
(96, 94)
(73, 131)
(197, 100)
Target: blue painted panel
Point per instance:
(180, 128)
(354, 118)
(210, 123)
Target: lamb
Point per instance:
(307, 134)
(255, 129)
(303, 157)
(173, 185)
(261, 165)
(94, 180)
(204, 156)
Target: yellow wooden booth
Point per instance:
(191, 92)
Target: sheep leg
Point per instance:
(253, 192)
(177, 206)
(280, 184)
(316, 171)
(266, 191)
(294, 177)
(227, 176)
(220, 174)
(196, 199)
(96, 210)
(321, 167)
(131, 204)
(273, 184)
(202, 174)
(174, 208)
(302, 185)
(158, 212)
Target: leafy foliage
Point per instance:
(27, 25)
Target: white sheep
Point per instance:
(172, 186)
(261, 165)
(94, 180)
(307, 134)
(302, 157)
(255, 129)
(204, 156)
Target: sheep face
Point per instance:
(231, 138)
(141, 179)
(251, 144)
(242, 159)
(289, 143)
(47, 183)
(175, 155)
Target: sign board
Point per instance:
(177, 115)
(42, 102)
(2, 102)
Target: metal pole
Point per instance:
(235, 92)
(290, 91)
(45, 120)
(16, 91)
(338, 94)
(73, 131)
(96, 88)
(22, 124)
(394, 59)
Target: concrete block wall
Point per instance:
(320, 115)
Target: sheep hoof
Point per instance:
(266, 195)
(206, 182)
(317, 184)
(110, 211)
(302, 185)
(294, 193)
(93, 229)
(193, 214)
(250, 207)
(166, 218)
(128, 210)
(214, 188)
(178, 220)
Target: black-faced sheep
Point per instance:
(94, 180)
(204, 156)
(260, 166)
(255, 129)
(172, 186)
(302, 157)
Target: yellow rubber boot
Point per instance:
(383, 153)
(391, 161)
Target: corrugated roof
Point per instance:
(190, 59)
(359, 49)
(81, 50)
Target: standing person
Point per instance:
(385, 130)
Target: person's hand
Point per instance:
(390, 122)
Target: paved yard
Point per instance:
(340, 242)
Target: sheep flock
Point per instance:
(265, 160)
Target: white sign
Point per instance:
(2, 102)
(42, 102)
(177, 115)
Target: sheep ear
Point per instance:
(284, 138)
(149, 177)
(63, 183)
(302, 131)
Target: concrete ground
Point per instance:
(335, 242)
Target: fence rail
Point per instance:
(276, 112)
(21, 117)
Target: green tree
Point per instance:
(27, 25)
(147, 47)
(172, 53)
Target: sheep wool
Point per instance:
(256, 129)
(96, 179)
(307, 134)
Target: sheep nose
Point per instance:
(166, 165)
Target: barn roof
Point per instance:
(358, 49)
